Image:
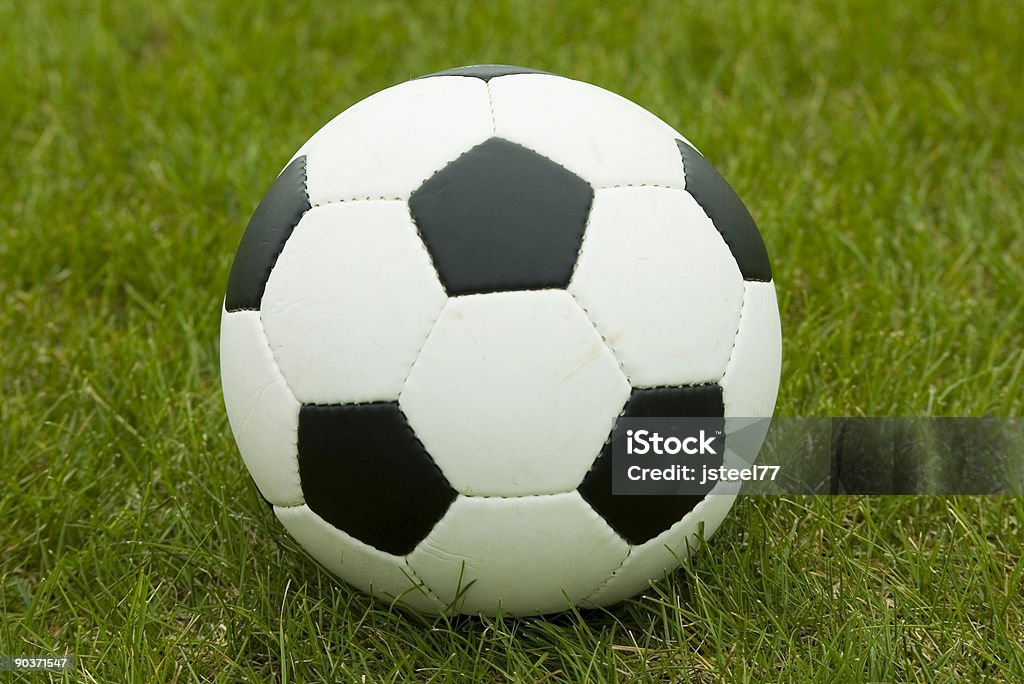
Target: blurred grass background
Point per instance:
(878, 145)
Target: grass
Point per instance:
(879, 145)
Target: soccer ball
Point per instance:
(440, 308)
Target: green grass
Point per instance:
(879, 145)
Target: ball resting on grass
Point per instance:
(439, 310)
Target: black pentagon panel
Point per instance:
(364, 471)
(639, 519)
(269, 228)
(721, 203)
(502, 217)
(485, 72)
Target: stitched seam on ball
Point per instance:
(639, 185)
(574, 490)
(563, 165)
(426, 452)
(604, 339)
(739, 326)
(702, 540)
(729, 246)
(305, 177)
(405, 561)
(273, 261)
(416, 356)
(416, 223)
(437, 316)
(339, 404)
(514, 496)
(743, 299)
(488, 293)
(610, 577)
(430, 260)
(597, 457)
(586, 312)
(350, 200)
(457, 157)
(419, 585)
(693, 511)
(682, 385)
(291, 393)
(490, 103)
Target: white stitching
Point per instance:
(291, 393)
(739, 325)
(639, 185)
(421, 586)
(365, 198)
(437, 316)
(490, 102)
(569, 289)
(588, 598)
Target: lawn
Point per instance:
(880, 146)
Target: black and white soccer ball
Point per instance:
(440, 308)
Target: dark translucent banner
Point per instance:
(764, 456)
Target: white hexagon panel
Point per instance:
(514, 393)
(348, 328)
(660, 284)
